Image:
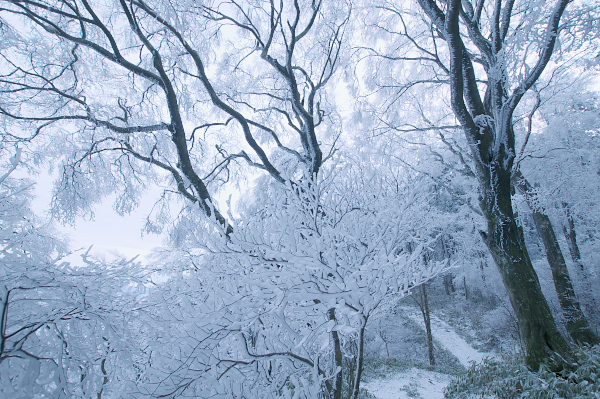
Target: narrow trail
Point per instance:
(445, 336)
(418, 383)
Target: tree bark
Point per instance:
(576, 322)
(427, 320)
(505, 240)
(359, 359)
(337, 357)
(488, 126)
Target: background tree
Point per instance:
(565, 140)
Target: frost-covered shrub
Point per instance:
(508, 380)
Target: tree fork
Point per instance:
(491, 140)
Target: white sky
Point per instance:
(108, 232)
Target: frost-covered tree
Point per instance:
(281, 307)
(57, 320)
(565, 188)
(192, 96)
(485, 57)
(179, 92)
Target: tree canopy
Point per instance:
(365, 148)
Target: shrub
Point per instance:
(512, 380)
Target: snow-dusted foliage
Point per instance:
(336, 128)
(280, 308)
(58, 321)
(510, 379)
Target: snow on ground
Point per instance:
(418, 383)
(445, 336)
(414, 383)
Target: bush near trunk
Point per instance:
(513, 380)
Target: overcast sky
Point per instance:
(107, 231)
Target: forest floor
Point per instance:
(422, 383)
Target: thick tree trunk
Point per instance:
(576, 323)
(507, 245)
(506, 242)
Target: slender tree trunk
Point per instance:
(506, 243)
(423, 301)
(383, 337)
(482, 264)
(105, 379)
(571, 237)
(338, 359)
(359, 359)
(427, 320)
(576, 323)
(449, 283)
(3, 322)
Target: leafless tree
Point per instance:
(165, 104)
